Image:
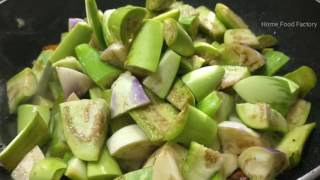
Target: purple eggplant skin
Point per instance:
(73, 22)
(127, 94)
(73, 81)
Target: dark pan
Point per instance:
(45, 20)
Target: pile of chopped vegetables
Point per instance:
(162, 92)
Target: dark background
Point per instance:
(45, 20)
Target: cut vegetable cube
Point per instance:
(76, 169)
(230, 164)
(232, 75)
(261, 116)
(208, 52)
(298, 114)
(125, 21)
(293, 142)
(73, 81)
(140, 174)
(81, 33)
(199, 128)
(180, 95)
(69, 62)
(305, 77)
(275, 60)
(26, 113)
(23, 169)
(203, 81)
(106, 168)
(273, 91)
(210, 24)
(177, 38)
(158, 5)
(130, 143)
(85, 127)
(145, 52)
(160, 82)
(210, 104)
(201, 162)
(236, 137)
(102, 74)
(262, 163)
(191, 64)
(240, 55)
(115, 55)
(228, 17)
(48, 169)
(161, 122)
(226, 107)
(127, 94)
(240, 36)
(20, 88)
(35, 133)
(266, 41)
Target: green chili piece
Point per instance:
(160, 82)
(20, 88)
(102, 74)
(144, 54)
(81, 33)
(177, 38)
(228, 17)
(305, 77)
(36, 132)
(94, 22)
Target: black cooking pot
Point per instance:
(44, 21)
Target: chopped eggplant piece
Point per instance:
(270, 90)
(127, 94)
(174, 14)
(160, 82)
(208, 52)
(305, 77)
(210, 104)
(210, 24)
(201, 162)
(120, 122)
(236, 137)
(228, 17)
(73, 81)
(158, 5)
(198, 127)
(240, 55)
(240, 36)
(262, 163)
(140, 174)
(105, 168)
(28, 112)
(293, 142)
(298, 114)
(69, 62)
(261, 116)
(180, 95)
(190, 64)
(125, 21)
(115, 55)
(226, 107)
(20, 88)
(161, 122)
(85, 127)
(35, 133)
(232, 75)
(76, 169)
(203, 81)
(266, 41)
(48, 169)
(130, 143)
(230, 164)
(275, 60)
(23, 169)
